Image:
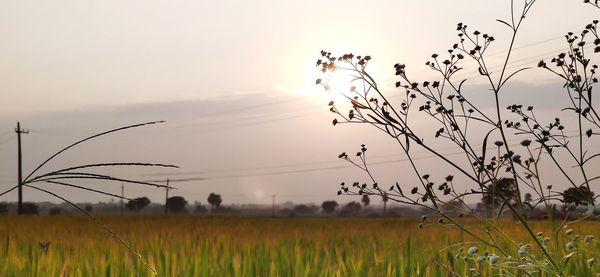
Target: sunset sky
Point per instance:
(235, 82)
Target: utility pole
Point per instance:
(166, 197)
(273, 207)
(122, 196)
(20, 131)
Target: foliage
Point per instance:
(365, 200)
(329, 206)
(64, 178)
(577, 195)
(237, 246)
(176, 204)
(385, 199)
(137, 204)
(351, 209)
(498, 173)
(214, 200)
(302, 209)
(200, 209)
(55, 211)
(503, 189)
(3, 207)
(30, 208)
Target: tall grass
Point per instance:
(234, 246)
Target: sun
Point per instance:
(338, 86)
(259, 193)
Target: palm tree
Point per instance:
(384, 198)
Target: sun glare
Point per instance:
(337, 86)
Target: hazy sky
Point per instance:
(234, 80)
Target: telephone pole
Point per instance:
(166, 197)
(122, 196)
(20, 131)
(273, 207)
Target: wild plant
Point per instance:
(65, 176)
(492, 167)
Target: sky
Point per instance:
(235, 82)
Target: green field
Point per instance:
(234, 246)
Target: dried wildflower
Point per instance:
(590, 262)
(570, 245)
(523, 250)
(494, 259)
(569, 231)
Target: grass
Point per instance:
(234, 246)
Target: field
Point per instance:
(233, 246)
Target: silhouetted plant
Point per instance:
(3, 207)
(200, 209)
(214, 200)
(329, 207)
(302, 209)
(577, 195)
(30, 208)
(592, 2)
(62, 177)
(499, 194)
(365, 200)
(351, 209)
(137, 204)
(385, 199)
(497, 176)
(176, 204)
(55, 211)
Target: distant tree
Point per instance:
(137, 204)
(3, 207)
(176, 204)
(577, 195)
(384, 198)
(329, 207)
(504, 187)
(305, 209)
(214, 200)
(286, 212)
(200, 209)
(55, 211)
(30, 208)
(365, 200)
(89, 208)
(225, 210)
(351, 209)
(528, 198)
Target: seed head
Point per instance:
(590, 262)
(570, 245)
(494, 259)
(569, 231)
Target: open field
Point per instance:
(232, 246)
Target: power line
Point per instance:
(6, 141)
(243, 125)
(248, 108)
(317, 169)
(293, 165)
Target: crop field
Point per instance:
(235, 246)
